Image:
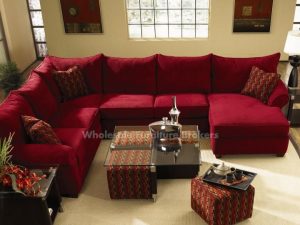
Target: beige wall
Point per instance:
(115, 40)
(18, 32)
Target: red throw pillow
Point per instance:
(260, 84)
(39, 131)
(71, 83)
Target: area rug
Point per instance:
(277, 197)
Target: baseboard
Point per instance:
(28, 67)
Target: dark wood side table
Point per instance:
(293, 113)
(17, 209)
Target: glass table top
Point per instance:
(134, 146)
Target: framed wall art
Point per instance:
(81, 16)
(252, 15)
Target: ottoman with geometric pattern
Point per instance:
(134, 181)
(219, 205)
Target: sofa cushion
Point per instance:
(38, 154)
(71, 83)
(11, 110)
(75, 117)
(260, 84)
(231, 74)
(124, 106)
(190, 105)
(39, 131)
(236, 115)
(35, 87)
(45, 70)
(184, 74)
(88, 101)
(129, 75)
(74, 137)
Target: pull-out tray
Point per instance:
(211, 177)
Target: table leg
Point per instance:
(153, 182)
(290, 108)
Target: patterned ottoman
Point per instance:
(131, 182)
(221, 206)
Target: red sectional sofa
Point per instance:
(137, 91)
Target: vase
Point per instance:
(174, 112)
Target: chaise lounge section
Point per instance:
(244, 124)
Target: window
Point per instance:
(38, 30)
(167, 18)
(3, 46)
(296, 25)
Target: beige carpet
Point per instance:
(277, 198)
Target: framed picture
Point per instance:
(252, 15)
(81, 16)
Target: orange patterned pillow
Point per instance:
(260, 84)
(39, 131)
(71, 83)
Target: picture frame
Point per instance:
(252, 15)
(81, 16)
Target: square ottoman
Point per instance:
(221, 206)
(129, 180)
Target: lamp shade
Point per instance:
(292, 43)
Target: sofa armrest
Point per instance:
(43, 154)
(279, 96)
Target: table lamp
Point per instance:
(292, 48)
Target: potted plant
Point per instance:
(10, 77)
(19, 178)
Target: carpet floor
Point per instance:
(277, 197)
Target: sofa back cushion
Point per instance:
(11, 110)
(231, 74)
(41, 99)
(184, 74)
(91, 68)
(129, 75)
(45, 70)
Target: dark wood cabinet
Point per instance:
(294, 106)
(17, 209)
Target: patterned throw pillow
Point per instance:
(39, 131)
(71, 83)
(260, 84)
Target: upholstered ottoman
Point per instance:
(128, 177)
(219, 205)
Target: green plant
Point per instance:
(5, 150)
(10, 77)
